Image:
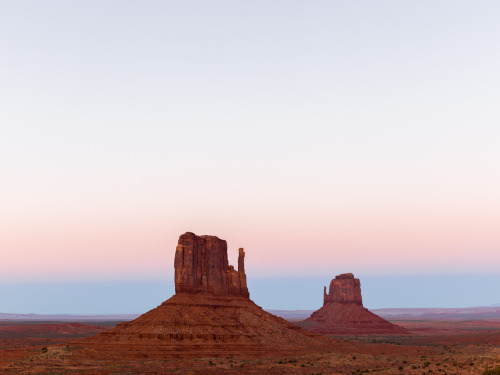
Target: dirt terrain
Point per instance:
(205, 324)
(435, 347)
(20, 338)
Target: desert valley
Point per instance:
(211, 326)
(249, 187)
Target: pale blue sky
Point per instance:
(313, 133)
(306, 293)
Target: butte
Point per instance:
(210, 315)
(343, 312)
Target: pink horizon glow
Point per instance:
(322, 138)
(135, 247)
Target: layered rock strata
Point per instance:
(211, 315)
(343, 312)
(343, 289)
(201, 265)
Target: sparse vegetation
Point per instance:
(493, 371)
(366, 361)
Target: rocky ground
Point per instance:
(465, 348)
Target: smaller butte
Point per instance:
(343, 312)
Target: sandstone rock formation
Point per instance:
(201, 265)
(211, 315)
(344, 289)
(343, 312)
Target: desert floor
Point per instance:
(436, 347)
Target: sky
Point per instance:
(324, 137)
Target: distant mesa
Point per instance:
(343, 289)
(210, 315)
(343, 312)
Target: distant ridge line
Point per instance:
(66, 317)
(465, 313)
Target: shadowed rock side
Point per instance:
(343, 312)
(343, 289)
(201, 265)
(210, 315)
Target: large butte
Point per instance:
(210, 315)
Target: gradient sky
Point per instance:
(322, 136)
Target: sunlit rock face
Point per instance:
(344, 289)
(210, 315)
(343, 312)
(201, 265)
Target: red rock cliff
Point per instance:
(343, 289)
(201, 265)
(343, 312)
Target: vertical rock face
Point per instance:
(241, 273)
(210, 315)
(201, 265)
(343, 312)
(344, 289)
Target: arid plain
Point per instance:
(211, 326)
(435, 346)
